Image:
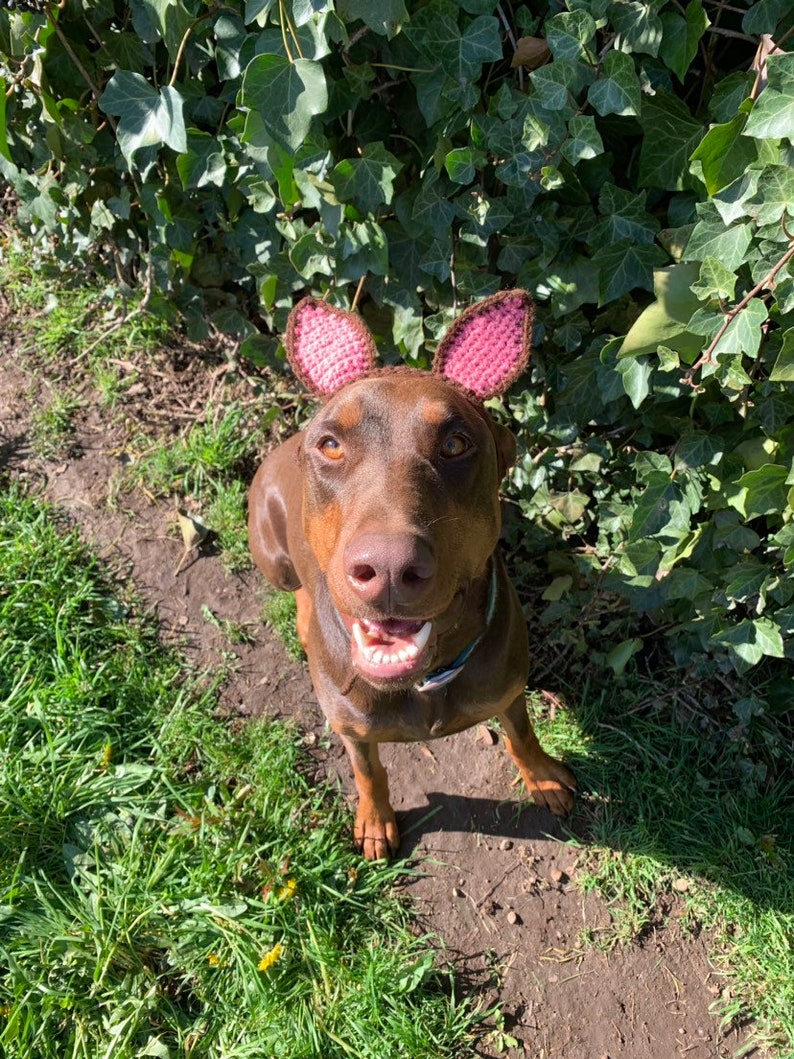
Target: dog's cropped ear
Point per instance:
(328, 347)
(487, 346)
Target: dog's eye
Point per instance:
(454, 445)
(331, 449)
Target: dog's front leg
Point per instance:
(375, 830)
(548, 781)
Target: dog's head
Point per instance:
(401, 472)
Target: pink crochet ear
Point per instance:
(328, 347)
(487, 346)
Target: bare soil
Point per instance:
(497, 879)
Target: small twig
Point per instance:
(124, 319)
(357, 295)
(730, 316)
(183, 43)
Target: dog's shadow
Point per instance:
(514, 818)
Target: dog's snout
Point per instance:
(389, 570)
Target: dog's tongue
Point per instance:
(391, 649)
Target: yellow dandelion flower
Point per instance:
(270, 958)
(107, 756)
(287, 890)
(5, 1010)
(214, 960)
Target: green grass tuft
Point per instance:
(171, 885)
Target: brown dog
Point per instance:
(383, 516)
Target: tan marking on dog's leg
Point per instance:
(549, 782)
(303, 619)
(375, 830)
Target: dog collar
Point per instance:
(439, 678)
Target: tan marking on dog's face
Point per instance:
(322, 529)
(347, 414)
(435, 412)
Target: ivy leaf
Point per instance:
(681, 37)
(751, 640)
(715, 280)
(437, 36)
(666, 319)
(203, 162)
(385, 17)
(711, 238)
(744, 333)
(635, 374)
(724, 154)
(285, 95)
(783, 371)
(624, 266)
(761, 492)
(638, 26)
(367, 181)
(570, 34)
(764, 16)
(671, 135)
(624, 217)
(617, 91)
(660, 510)
(772, 116)
(147, 118)
(774, 197)
(585, 140)
(697, 449)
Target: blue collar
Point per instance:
(439, 678)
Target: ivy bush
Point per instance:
(627, 161)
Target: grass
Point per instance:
(675, 806)
(171, 885)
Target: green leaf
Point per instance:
(681, 37)
(671, 134)
(783, 371)
(147, 118)
(285, 95)
(715, 280)
(772, 116)
(697, 449)
(764, 16)
(626, 266)
(666, 319)
(570, 35)
(461, 163)
(724, 154)
(761, 492)
(743, 336)
(635, 374)
(659, 510)
(752, 640)
(617, 91)
(382, 16)
(4, 150)
(774, 196)
(618, 658)
(711, 238)
(584, 140)
(461, 54)
(638, 26)
(746, 579)
(203, 162)
(367, 181)
(624, 217)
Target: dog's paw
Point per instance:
(375, 833)
(552, 785)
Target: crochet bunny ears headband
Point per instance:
(485, 349)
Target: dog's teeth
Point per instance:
(411, 651)
(423, 636)
(377, 657)
(359, 636)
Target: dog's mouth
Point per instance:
(393, 649)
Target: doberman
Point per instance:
(383, 515)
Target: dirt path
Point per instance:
(497, 881)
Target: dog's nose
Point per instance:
(385, 570)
